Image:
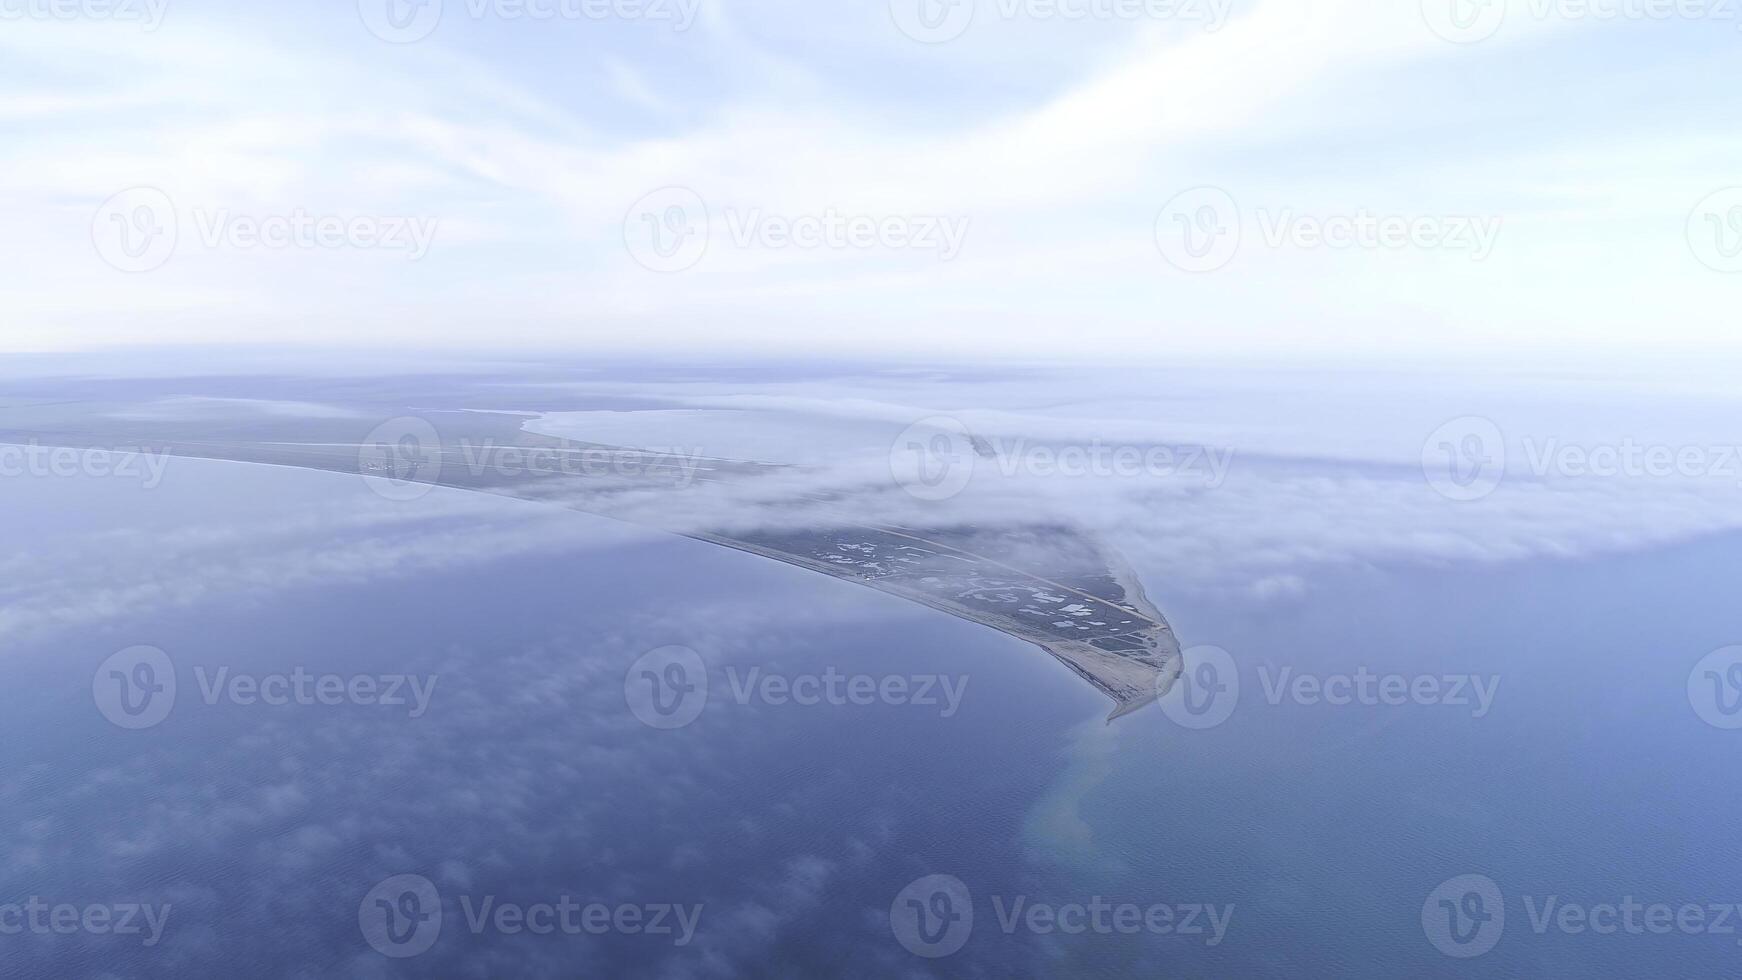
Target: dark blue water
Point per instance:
(1325, 828)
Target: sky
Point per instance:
(1101, 179)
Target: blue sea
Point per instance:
(1296, 838)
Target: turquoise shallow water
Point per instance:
(1591, 779)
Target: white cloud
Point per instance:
(1313, 107)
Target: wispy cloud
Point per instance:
(531, 162)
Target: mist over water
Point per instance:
(1412, 687)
